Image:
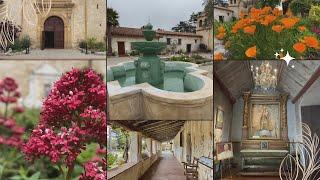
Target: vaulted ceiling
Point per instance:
(156, 129)
(237, 76)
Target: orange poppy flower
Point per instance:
(270, 18)
(251, 52)
(302, 28)
(277, 28)
(266, 9)
(299, 47)
(311, 41)
(242, 15)
(218, 57)
(276, 12)
(289, 22)
(250, 29)
(221, 29)
(220, 36)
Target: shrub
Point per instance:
(25, 42)
(196, 57)
(100, 46)
(82, 44)
(262, 32)
(91, 43)
(314, 14)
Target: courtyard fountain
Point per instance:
(154, 89)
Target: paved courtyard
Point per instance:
(48, 54)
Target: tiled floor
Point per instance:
(167, 168)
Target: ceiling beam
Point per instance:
(305, 88)
(163, 123)
(224, 88)
(152, 123)
(163, 129)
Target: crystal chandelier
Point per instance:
(265, 77)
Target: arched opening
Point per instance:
(53, 34)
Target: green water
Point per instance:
(173, 81)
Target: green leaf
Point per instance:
(34, 176)
(16, 177)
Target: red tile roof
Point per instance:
(136, 32)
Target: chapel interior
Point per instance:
(260, 108)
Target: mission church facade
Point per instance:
(68, 22)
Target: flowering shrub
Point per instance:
(72, 116)
(263, 32)
(10, 132)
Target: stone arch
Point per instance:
(65, 16)
(53, 33)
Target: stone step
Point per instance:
(260, 168)
(259, 174)
(262, 161)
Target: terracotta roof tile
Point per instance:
(136, 32)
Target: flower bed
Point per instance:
(263, 32)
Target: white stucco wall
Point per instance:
(220, 12)
(184, 41)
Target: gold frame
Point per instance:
(250, 98)
(261, 102)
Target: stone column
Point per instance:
(135, 146)
(149, 146)
(246, 108)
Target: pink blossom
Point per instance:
(66, 145)
(72, 115)
(93, 172)
(18, 109)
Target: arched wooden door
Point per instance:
(53, 34)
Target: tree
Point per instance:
(208, 9)
(112, 21)
(188, 26)
(184, 26)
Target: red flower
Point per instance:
(77, 99)
(93, 172)
(18, 109)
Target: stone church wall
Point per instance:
(74, 18)
(24, 72)
(222, 102)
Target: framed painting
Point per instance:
(219, 118)
(264, 120)
(264, 145)
(224, 151)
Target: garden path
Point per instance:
(166, 168)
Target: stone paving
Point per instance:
(167, 168)
(35, 54)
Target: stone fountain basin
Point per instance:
(143, 101)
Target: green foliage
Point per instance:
(29, 118)
(82, 44)
(134, 53)
(111, 159)
(92, 44)
(112, 17)
(23, 175)
(88, 154)
(25, 41)
(314, 14)
(271, 3)
(21, 44)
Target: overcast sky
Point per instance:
(163, 14)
